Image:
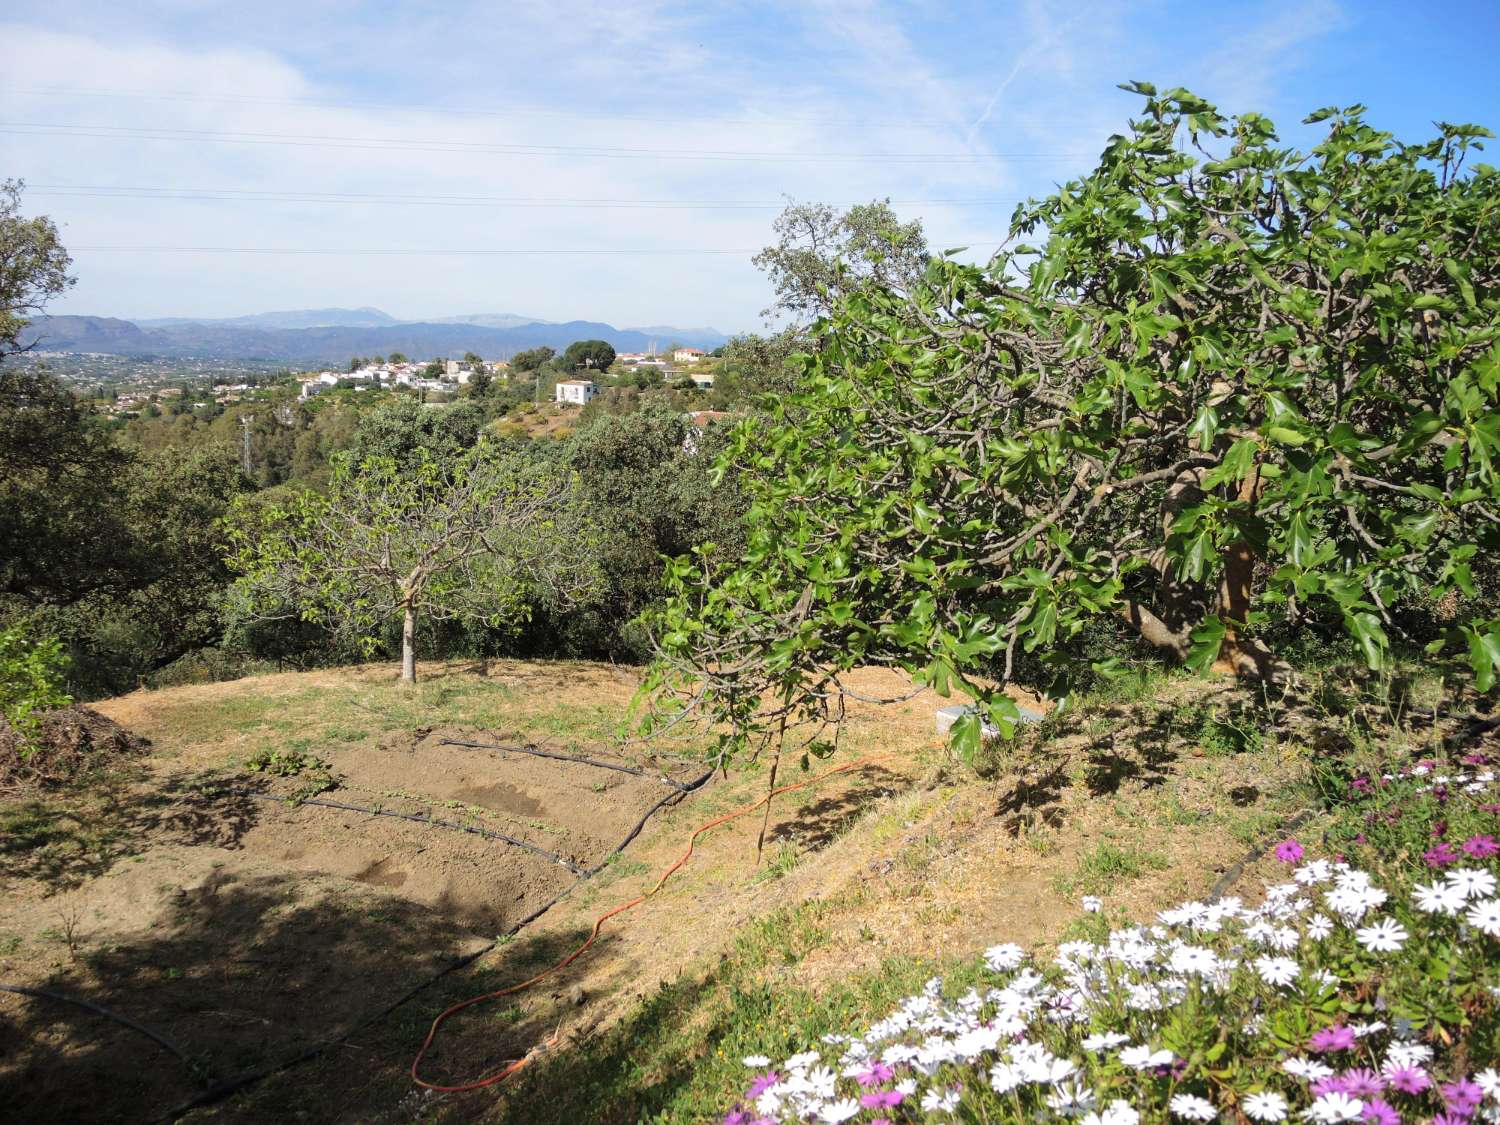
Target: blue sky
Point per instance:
(332, 125)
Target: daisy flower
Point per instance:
(1265, 1106)
(1192, 1108)
(1485, 916)
(1472, 881)
(1385, 936)
(1001, 958)
(1335, 1106)
(835, 1112)
(1277, 970)
(1438, 898)
(1289, 851)
(938, 1101)
(1335, 1037)
(1118, 1112)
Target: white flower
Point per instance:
(1104, 1041)
(1118, 1112)
(1489, 1082)
(1385, 936)
(1193, 1108)
(938, 1101)
(1003, 957)
(802, 1061)
(1472, 881)
(1265, 1107)
(1319, 927)
(1399, 1055)
(756, 1061)
(835, 1112)
(1092, 904)
(1143, 1058)
(1276, 970)
(1314, 871)
(1438, 898)
(1004, 1078)
(1194, 959)
(1485, 916)
(1335, 1106)
(1309, 1069)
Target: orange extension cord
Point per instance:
(512, 1068)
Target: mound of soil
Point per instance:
(69, 742)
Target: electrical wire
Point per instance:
(401, 144)
(248, 195)
(512, 112)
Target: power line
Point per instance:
(512, 112)
(465, 252)
(397, 144)
(246, 195)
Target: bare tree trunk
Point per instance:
(409, 646)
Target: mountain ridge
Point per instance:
(233, 338)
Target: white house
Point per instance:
(688, 355)
(576, 392)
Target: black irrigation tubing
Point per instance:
(223, 1089)
(1230, 876)
(124, 1021)
(487, 833)
(652, 811)
(635, 771)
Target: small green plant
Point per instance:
(311, 770)
(780, 864)
(31, 678)
(1108, 865)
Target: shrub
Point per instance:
(31, 677)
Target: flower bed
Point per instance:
(1355, 991)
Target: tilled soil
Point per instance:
(243, 927)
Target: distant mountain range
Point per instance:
(332, 336)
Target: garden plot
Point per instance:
(242, 927)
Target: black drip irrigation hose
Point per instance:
(487, 833)
(223, 1089)
(1232, 875)
(634, 771)
(124, 1021)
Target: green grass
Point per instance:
(678, 1057)
(1109, 865)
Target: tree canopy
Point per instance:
(1235, 385)
(477, 539)
(596, 355)
(821, 254)
(33, 266)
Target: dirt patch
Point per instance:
(68, 742)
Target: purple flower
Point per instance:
(1482, 847)
(1362, 1083)
(736, 1117)
(1451, 1119)
(1380, 1112)
(1440, 855)
(1289, 851)
(1333, 1084)
(877, 1074)
(1409, 1080)
(1334, 1038)
(1493, 807)
(762, 1084)
(1474, 758)
(1361, 785)
(1441, 793)
(1461, 1097)
(882, 1098)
